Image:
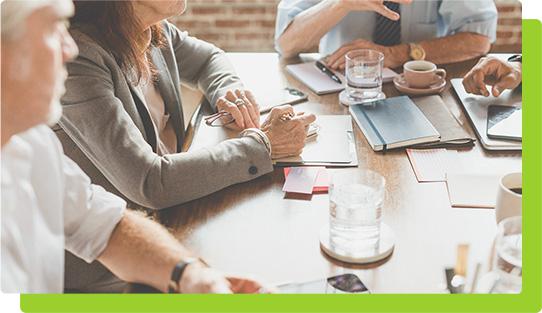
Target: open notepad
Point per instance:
(320, 83)
(334, 146)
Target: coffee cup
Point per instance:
(422, 74)
(508, 197)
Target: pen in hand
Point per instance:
(324, 69)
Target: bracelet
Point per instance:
(515, 58)
(259, 136)
(174, 285)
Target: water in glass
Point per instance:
(364, 74)
(355, 211)
(507, 260)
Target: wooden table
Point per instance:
(252, 229)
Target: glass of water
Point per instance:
(363, 73)
(507, 258)
(355, 211)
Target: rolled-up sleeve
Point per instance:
(90, 213)
(287, 10)
(476, 16)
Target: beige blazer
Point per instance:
(106, 127)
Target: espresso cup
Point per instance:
(422, 74)
(508, 197)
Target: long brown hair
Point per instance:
(119, 30)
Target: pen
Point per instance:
(328, 72)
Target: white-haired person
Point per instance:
(48, 203)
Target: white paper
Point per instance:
(320, 83)
(472, 190)
(301, 180)
(431, 165)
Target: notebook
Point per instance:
(393, 123)
(334, 146)
(320, 83)
(452, 133)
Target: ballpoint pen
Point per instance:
(324, 69)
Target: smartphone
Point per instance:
(504, 122)
(345, 283)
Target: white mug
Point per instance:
(509, 197)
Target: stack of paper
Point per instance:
(306, 180)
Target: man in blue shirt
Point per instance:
(441, 31)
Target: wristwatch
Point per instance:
(416, 51)
(174, 285)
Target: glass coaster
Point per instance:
(346, 100)
(385, 247)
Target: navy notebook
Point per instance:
(393, 123)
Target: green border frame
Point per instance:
(528, 301)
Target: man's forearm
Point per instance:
(450, 49)
(142, 251)
(309, 27)
(456, 48)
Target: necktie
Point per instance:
(387, 32)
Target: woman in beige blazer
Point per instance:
(123, 121)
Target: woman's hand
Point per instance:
(243, 108)
(287, 137)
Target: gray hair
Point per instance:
(14, 14)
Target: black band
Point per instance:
(177, 273)
(515, 58)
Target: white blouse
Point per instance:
(166, 137)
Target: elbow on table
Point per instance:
(152, 195)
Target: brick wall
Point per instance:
(249, 25)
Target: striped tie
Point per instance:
(387, 32)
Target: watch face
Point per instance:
(417, 52)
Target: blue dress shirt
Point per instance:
(420, 20)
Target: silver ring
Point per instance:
(240, 102)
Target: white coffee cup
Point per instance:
(508, 198)
(422, 74)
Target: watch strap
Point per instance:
(177, 274)
(515, 58)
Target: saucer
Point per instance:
(401, 85)
(346, 100)
(382, 251)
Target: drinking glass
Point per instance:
(364, 75)
(355, 210)
(507, 258)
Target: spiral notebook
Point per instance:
(320, 83)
